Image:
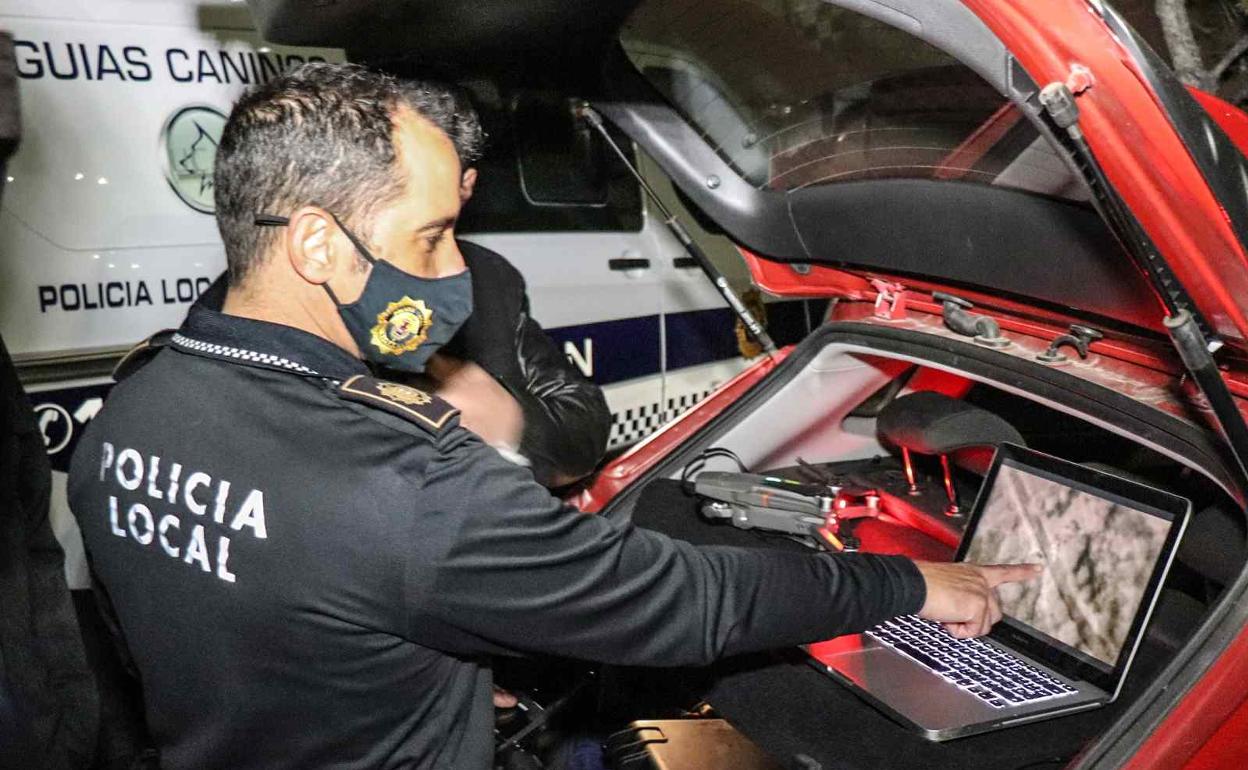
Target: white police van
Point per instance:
(107, 234)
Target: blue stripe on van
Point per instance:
(628, 348)
(620, 350)
(700, 337)
(624, 349)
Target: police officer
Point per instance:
(310, 566)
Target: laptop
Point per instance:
(1067, 638)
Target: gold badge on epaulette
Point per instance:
(412, 404)
(404, 394)
(402, 327)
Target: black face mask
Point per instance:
(399, 333)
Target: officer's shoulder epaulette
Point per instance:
(412, 404)
(138, 356)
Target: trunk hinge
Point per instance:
(890, 300)
(1080, 79)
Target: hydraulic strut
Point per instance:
(686, 241)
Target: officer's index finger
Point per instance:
(996, 574)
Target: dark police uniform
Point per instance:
(309, 565)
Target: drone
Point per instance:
(814, 514)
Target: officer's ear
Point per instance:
(310, 244)
(467, 183)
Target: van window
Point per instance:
(794, 93)
(561, 158)
(545, 171)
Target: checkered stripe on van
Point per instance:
(685, 402)
(635, 423)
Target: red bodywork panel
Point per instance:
(630, 466)
(1146, 384)
(822, 281)
(1201, 731)
(1150, 167)
(1226, 747)
(1012, 316)
(1141, 153)
(1228, 117)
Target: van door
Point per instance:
(106, 229)
(606, 279)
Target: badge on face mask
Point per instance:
(401, 334)
(402, 327)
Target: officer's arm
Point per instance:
(516, 569)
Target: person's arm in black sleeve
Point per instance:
(515, 569)
(566, 419)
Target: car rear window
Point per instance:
(794, 93)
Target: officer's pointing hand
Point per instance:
(963, 596)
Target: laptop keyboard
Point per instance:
(989, 673)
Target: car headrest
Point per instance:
(1215, 545)
(932, 423)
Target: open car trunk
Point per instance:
(817, 413)
(777, 127)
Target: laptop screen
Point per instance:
(1103, 547)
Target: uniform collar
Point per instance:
(265, 345)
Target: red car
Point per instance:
(1013, 203)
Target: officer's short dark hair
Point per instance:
(322, 135)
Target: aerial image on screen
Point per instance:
(1098, 558)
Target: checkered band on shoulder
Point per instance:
(241, 354)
